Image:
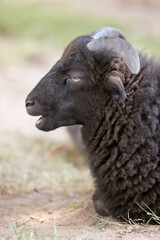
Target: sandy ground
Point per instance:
(39, 211)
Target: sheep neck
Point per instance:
(102, 135)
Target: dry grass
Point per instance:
(28, 163)
(47, 193)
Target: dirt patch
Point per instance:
(71, 213)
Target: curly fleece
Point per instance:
(124, 147)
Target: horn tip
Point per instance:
(136, 65)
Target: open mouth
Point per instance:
(41, 122)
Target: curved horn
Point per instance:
(107, 32)
(116, 47)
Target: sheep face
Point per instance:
(61, 95)
(79, 82)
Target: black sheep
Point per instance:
(100, 83)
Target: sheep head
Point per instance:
(64, 96)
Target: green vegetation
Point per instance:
(22, 233)
(29, 31)
(47, 22)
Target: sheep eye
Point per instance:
(73, 80)
(76, 79)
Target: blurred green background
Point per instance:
(33, 29)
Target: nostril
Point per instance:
(29, 104)
(33, 108)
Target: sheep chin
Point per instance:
(46, 123)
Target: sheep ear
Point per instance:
(115, 86)
(110, 47)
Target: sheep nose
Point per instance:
(29, 104)
(32, 107)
